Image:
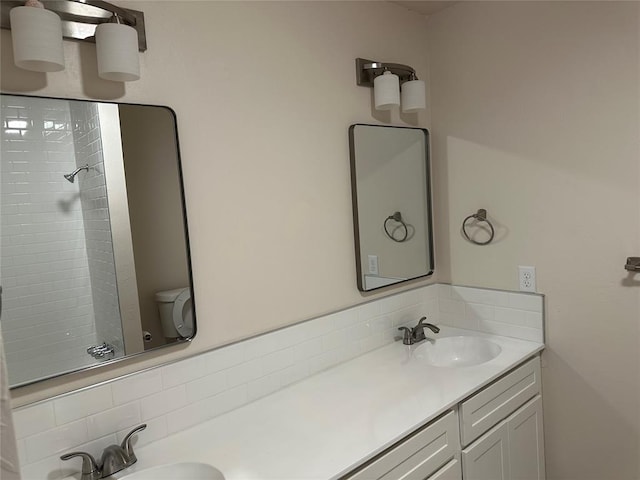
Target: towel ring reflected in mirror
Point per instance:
(397, 217)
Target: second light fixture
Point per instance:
(393, 85)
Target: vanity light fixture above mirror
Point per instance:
(37, 29)
(393, 84)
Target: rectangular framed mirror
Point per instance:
(94, 252)
(390, 185)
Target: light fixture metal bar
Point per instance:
(80, 17)
(368, 70)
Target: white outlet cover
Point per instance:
(527, 278)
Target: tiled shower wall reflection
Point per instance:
(47, 304)
(47, 257)
(97, 229)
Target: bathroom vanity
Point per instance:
(388, 414)
(498, 428)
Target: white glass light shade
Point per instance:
(386, 91)
(117, 51)
(37, 39)
(413, 96)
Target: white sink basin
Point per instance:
(462, 351)
(177, 471)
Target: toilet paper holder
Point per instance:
(633, 264)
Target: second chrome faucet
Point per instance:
(416, 334)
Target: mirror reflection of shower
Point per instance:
(58, 268)
(71, 177)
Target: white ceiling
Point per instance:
(424, 7)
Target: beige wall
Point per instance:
(264, 93)
(535, 118)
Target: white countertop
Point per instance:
(325, 425)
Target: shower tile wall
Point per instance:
(97, 229)
(47, 319)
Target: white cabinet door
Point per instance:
(526, 442)
(488, 457)
(512, 450)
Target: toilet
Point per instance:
(176, 312)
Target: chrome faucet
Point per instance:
(416, 334)
(114, 458)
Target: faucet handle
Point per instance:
(126, 443)
(90, 469)
(407, 338)
(420, 324)
(430, 326)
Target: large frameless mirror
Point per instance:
(391, 204)
(94, 253)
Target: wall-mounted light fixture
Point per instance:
(37, 29)
(393, 84)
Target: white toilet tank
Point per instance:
(176, 312)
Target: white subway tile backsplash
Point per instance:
(56, 441)
(477, 311)
(510, 330)
(244, 373)
(22, 451)
(480, 295)
(294, 373)
(335, 339)
(43, 469)
(452, 306)
(156, 430)
(82, 404)
(163, 402)
(205, 409)
(307, 349)
(33, 419)
(444, 291)
(323, 361)
(114, 419)
(373, 341)
(261, 346)
(203, 387)
(531, 303)
(278, 360)
(533, 319)
(264, 386)
(183, 371)
(138, 386)
(510, 314)
(223, 358)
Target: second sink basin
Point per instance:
(177, 471)
(461, 351)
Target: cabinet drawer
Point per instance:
(451, 471)
(418, 456)
(496, 402)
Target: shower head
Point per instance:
(71, 177)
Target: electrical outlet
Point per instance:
(527, 276)
(373, 264)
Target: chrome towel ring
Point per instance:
(397, 216)
(479, 216)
